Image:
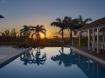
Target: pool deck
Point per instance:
(8, 54)
(89, 54)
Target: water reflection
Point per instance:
(69, 65)
(66, 59)
(33, 57)
(89, 67)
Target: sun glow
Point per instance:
(42, 35)
(49, 34)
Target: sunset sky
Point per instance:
(32, 12)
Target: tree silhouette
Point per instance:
(60, 24)
(68, 21)
(25, 31)
(83, 22)
(72, 24)
(37, 30)
(6, 33)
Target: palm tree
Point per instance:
(82, 21)
(73, 24)
(25, 31)
(60, 24)
(68, 24)
(6, 33)
(37, 30)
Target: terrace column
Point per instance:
(79, 38)
(103, 38)
(88, 39)
(93, 38)
(97, 40)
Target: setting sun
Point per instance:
(42, 35)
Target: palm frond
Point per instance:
(58, 20)
(54, 23)
(1, 16)
(87, 20)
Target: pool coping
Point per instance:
(12, 57)
(86, 54)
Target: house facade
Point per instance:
(95, 32)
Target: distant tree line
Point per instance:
(33, 33)
(25, 36)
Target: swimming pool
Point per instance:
(52, 62)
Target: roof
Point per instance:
(97, 23)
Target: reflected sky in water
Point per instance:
(53, 62)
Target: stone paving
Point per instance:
(9, 53)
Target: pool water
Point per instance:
(52, 62)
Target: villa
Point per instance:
(95, 32)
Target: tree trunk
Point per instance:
(62, 34)
(62, 37)
(38, 39)
(70, 36)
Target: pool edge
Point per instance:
(7, 61)
(86, 54)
